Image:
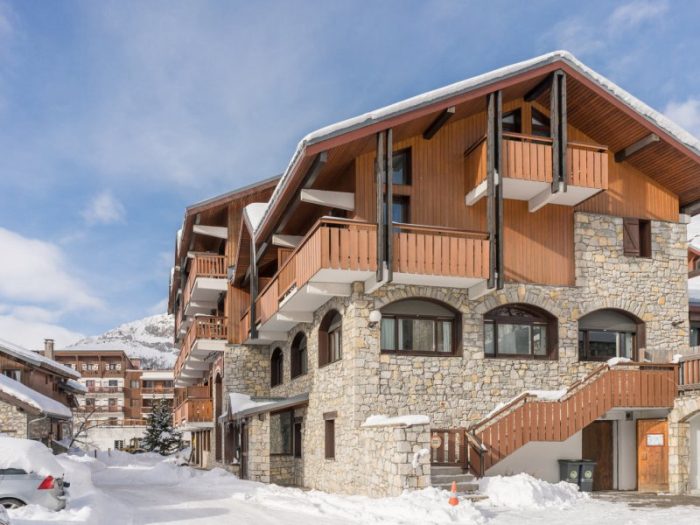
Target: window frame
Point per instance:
(277, 361)
(636, 237)
(325, 336)
(281, 414)
(537, 317)
(329, 435)
(13, 373)
(299, 367)
(540, 128)
(518, 121)
(602, 359)
(456, 322)
(408, 166)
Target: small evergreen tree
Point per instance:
(160, 436)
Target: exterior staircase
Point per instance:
(531, 418)
(442, 478)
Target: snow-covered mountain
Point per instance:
(150, 339)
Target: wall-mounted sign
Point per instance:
(655, 440)
(435, 441)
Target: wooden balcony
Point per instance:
(104, 389)
(205, 282)
(99, 408)
(527, 170)
(196, 411)
(157, 391)
(689, 372)
(337, 252)
(206, 334)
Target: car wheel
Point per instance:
(11, 503)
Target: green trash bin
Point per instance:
(586, 475)
(570, 470)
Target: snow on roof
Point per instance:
(28, 455)
(33, 398)
(464, 86)
(75, 385)
(240, 402)
(36, 359)
(164, 375)
(404, 421)
(254, 214)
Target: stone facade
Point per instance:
(456, 391)
(13, 422)
(686, 407)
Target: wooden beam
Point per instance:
(220, 232)
(635, 148)
(692, 208)
(379, 177)
(554, 133)
(540, 88)
(253, 289)
(389, 206)
(498, 173)
(439, 122)
(334, 199)
(287, 241)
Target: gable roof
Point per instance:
(444, 97)
(14, 391)
(36, 359)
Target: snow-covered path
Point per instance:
(188, 503)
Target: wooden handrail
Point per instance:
(441, 229)
(525, 136)
(476, 144)
(590, 145)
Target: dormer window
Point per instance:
(401, 174)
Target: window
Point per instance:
(13, 374)
(540, 124)
(281, 433)
(167, 384)
(297, 438)
(520, 331)
(112, 402)
(90, 402)
(113, 383)
(329, 431)
(605, 334)
(636, 237)
(276, 367)
(148, 384)
(694, 333)
(299, 356)
(512, 121)
(399, 209)
(119, 444)
(419, 327)
(330, 339)
(114, 366)
(401, 174)
(135, 383)
(90, 383)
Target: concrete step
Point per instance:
(439, 471)
(459, 478)
(461, 487)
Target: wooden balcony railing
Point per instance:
(100, 408)
(203, 327)
(204, 265)
(528, 418)
(529, 157)
(194, 411)
(156, 390)
(117, 423)
(104, 389)
(331, 244)
(440, 251)
(689, 373)
(191, 392)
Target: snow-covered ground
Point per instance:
(122, 489)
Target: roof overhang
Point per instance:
(274, 407)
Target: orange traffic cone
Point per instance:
(453, 499)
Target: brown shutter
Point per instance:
(330, 438)
(630, 236)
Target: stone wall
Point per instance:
(12, 421)
(385, 465)
(259, 449)
(282, 470)
(685, 407)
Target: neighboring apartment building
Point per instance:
(36, 394)
(207, 311)
(119, 395)
(497, 269)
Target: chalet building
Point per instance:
(36, 394)
(119, 397)
(480, 280)
(207, 311)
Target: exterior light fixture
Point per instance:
(375, 316)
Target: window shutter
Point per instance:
(631, 236)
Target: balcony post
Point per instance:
(389, 206)
(494, 192)
(379, 175)
(558, 131)
(253, 288)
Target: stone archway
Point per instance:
(683, 417)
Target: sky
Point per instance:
(114, 116)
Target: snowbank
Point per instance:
(386, 421)
(618, 360)
(525, 492)
(32, 397)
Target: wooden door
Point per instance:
(598, 447)
(652, 455)
(244, 452)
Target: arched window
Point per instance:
(421, 327)
(276, 367)
(299, 355)
(608, 333)
(520, 331)
(330, 339)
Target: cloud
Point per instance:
(35, 271)
(104, 209)
(686, 114)
(160, 307)
(631, 15)
(31, 334)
